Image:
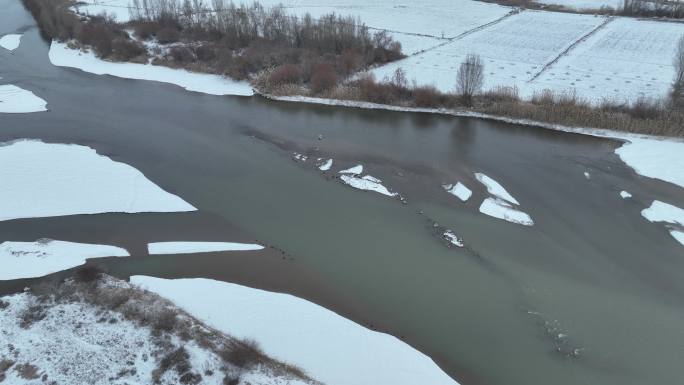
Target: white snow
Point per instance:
(587, 175)
(624, 194)
(368, 183)
(664, 212)
(44, 180)
(45, 256)
(459, 190)
(655, 158)
(326, 166)
(63, 56)
(356, 170)
(328, 347)
(18, 100)
(299, 157)
(451, 237)
(198, 247)
(494, 188)
(497, 208)
(10, 42)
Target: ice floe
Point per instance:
(326, 166)
(45, 256)
(327, 346)
(11, 41)
(664, 212)
(46, 179)
(587, 175)
(459, 190)
(624, 194)
(368, 183)
(501, 209)
(198, 247)
(61, 55)
(494, 188)
(452, 238)
(299, 157)
(356, 170)
(15, 100)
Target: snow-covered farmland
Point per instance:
(198, 247)
(44, 180)
(63, 56)
(46, 256)
(626, 59)
(330, 348)
(513, 50)
(15, 100)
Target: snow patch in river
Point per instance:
(15, 100)
(494, 188)
(327, 346)
(45, 256)
(326, 166)
(198, 247)
(664, 212)
(46, 180)
(453, 238)
(299, 157)
(459, 190)
(368, 183)
(624, 194)
(498, 208)
(61, 55)
(11, 41)
(655, 158)
(356, 170)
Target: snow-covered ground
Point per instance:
(47, 256)
(63, 56)
(328, 347)
(44, 179)
(459, 190)
(198, 247)
(11, 41)
(18, 100)
(94, 335)
(664, 212)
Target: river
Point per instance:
(591, 294)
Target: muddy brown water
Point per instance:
(591, 269)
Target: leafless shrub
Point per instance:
(168, 35)
(285, 74)
(244, 354)
(501, 94)
(323, 77)
(27, 371)
(427, 97)
(678, 84)
(3, 305)
(470, 77)
(178, 360)
(165, 320)
(31, 315)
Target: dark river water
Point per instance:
(591, 269)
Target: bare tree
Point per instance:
(678, 63)
(470, 77)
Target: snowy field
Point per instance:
(330, 348)
(46, 256)
(15, 100)
(45, 180)
(61, 55)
